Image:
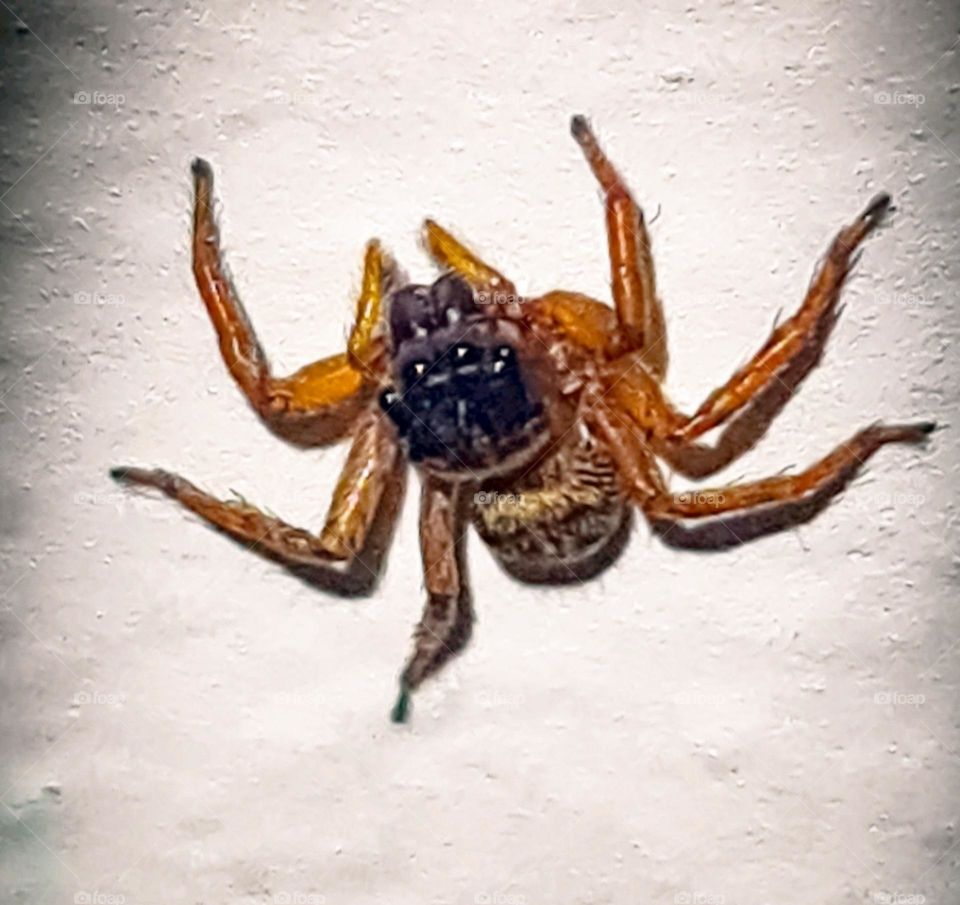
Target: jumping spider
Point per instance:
(538, 419)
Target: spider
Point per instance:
(537, 419)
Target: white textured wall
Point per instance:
(183, 722)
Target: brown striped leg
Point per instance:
(631, 261)
(346, 557)
(830, 473)
(790, 339)
(633, 390)
(319, 403)
(447, 619)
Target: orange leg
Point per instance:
(447, 621)
(345, 558)
(631, 261)
(831, 472)
(789, 340)
(319, 402)
(450, 254)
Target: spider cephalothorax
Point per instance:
(538, 419)
(462, 400)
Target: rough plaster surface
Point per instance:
(185, 723)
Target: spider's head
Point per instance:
(462, 398)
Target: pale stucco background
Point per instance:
(182, 722)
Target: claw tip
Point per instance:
(201, 169)
(579, 128)
(401, 709)
(877, 207)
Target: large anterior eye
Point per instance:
(463, 354)
(414, 371)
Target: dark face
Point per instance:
(460, 397)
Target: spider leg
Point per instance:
(791, 339)
(450, 254)
(823, 479)
(347, 556)
(632, 389)
(447, 620)
(631, 260)
(317, 404)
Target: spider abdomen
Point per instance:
(564, 522)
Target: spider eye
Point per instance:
(414, 371)
(389, 398)
(503, 357)
(392, 404)
(465, 354)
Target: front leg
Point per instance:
(447, 621)
(346, 558)
(632, 275)
(318, 403)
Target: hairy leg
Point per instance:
(633, 390)
(831, 472)
(345, 557)
(789, 340)
(631, 261)
(758, 392)
(447, 619)
(318, 403)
